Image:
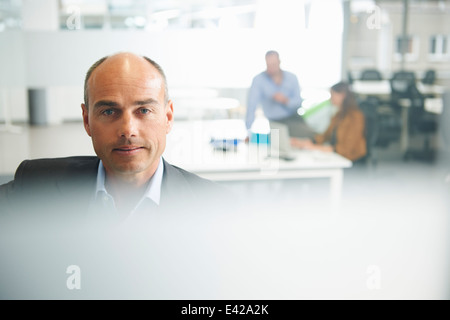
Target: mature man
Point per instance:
(278, 92)
(127, 113)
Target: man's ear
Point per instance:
(169, 116)
(86, 119)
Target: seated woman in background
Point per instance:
(345, 134)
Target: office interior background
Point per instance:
(392, 221)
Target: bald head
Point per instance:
(124, 62)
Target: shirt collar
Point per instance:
(153, 191)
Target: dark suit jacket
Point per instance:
(171, 252)
(64, 187)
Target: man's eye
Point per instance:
(108, 112)
(144, 110)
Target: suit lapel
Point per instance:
(175, 187)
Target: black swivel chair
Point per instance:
(371, 75)
(389, 122)
(401, 82)
(444, 128)
(420, 122)
(350, 77)
(429, 77)
(369, 109)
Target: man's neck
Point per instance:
(126, 190)
(277, 77)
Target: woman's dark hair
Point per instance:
(349, 102)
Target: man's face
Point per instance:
(127, 117)
(273, 64)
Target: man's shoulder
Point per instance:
(48, 170)
(56, 165)
(289, 75)
(176, 172)
(185, 190)
(50, 185)
(64, 161)
(183, 180)
(260, 76)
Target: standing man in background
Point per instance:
(278, 92)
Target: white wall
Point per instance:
(201, 57)
(190, 58)
(40, 15)
(13, 76)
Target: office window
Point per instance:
(103, 14)
(156, 15)
(439, 48)
(411, 46)
(10, 15)
(75, 14)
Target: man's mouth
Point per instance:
(127, 149)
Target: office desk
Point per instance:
(428, 89)
(376, 88)
(249, 162)
(383, 88)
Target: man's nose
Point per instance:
(127, 125)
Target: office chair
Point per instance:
(430, 77)
(420, 122)
(383, 125)
(389, 123)
(445, 118)
(428, 80)
(444, 128)
(350, 77)
(369, 109)
(401, 83)
(371, 75)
